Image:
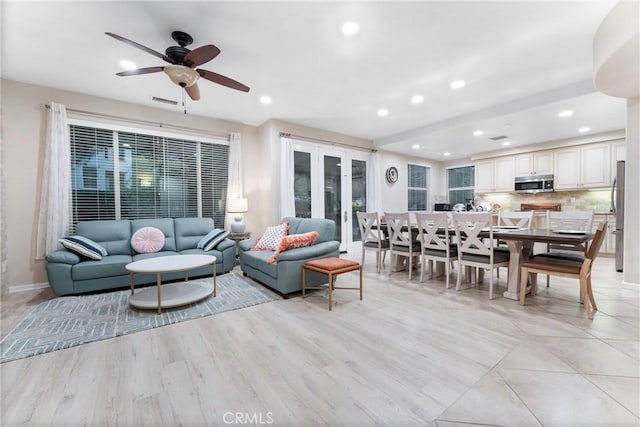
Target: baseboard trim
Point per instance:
(631, 286)
(28, 287)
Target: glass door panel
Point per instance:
(358, 195)
(302, 183)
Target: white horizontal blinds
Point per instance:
(461, 182)
(214, 178)
(92, 180)
(158, 176)
(418, 188)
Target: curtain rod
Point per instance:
(324, 141)
(145, 122)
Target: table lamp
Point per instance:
(237, 207)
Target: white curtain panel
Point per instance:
(234, 183)
(374, 184)
(54, 216)
(287, 195)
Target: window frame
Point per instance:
(425, 189)
(187, 137)
(449, 188)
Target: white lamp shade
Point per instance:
(237, 205)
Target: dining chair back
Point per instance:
(435, 240)
(515, 219)
(401, 238)
(476, 251)
(574, 266)
(373, 237)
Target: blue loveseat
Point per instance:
(68, 273)
(285, 275)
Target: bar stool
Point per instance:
(331, 267)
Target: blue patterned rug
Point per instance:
(70, 321)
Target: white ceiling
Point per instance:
(522, 62)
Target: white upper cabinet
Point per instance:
(618, 152)
(494, 175)
(586, 166)
(537, 163)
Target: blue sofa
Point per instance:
(285, 275)
(68, 273)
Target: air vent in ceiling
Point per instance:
(164, 100)
(498, 138)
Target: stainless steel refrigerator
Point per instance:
(617, 201)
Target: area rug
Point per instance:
(70, 321)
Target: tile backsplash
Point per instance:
(598, 200)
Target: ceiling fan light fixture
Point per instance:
(181, 75)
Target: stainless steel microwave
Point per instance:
(534, 184)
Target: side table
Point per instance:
(238, 237)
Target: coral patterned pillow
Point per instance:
(147, 240)
(272, 237)
(294, 241)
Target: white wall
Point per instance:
(631, 272)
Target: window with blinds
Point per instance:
(127, 175)
(460, 183)
(418, 187)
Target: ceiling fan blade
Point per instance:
(146, 70)
(141, 47)
(222, 80)
(193, 91)
(201, 55)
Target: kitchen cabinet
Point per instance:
(609, 244)
(494, 175)
(536, 163)
(618, 152)
(581, 167)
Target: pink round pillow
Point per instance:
(147, 240)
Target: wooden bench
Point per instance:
(331, 267)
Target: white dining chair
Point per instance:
(401, 241)
(436, 243)
(373, 237)
(474, 251)
(522, 219)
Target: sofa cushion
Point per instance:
(138, 257)
(113, 235)
(83, 247)
(147, 240)
(258, 260)
(163, 224)
(108, 266)
(272, 237)
(326, 228)
(189, 231)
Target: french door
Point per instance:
(331, 183)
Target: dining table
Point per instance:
(520, 242)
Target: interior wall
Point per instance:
(23, 130)
(631, 273)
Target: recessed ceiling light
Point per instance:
(383, 112)
(265, 99)
(415, 146)
(584, 129)
(350, 28)
(446, 153)
(127, 65)
(565, 113)
(478, 133)
(417, 99)
(505, 143)
(457, 84)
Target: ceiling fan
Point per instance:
(182, 62)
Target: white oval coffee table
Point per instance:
(172, 294)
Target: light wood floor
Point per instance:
(410, 353)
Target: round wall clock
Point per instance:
(392, 174)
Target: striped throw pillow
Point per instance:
(211, 240)
(83, 247)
